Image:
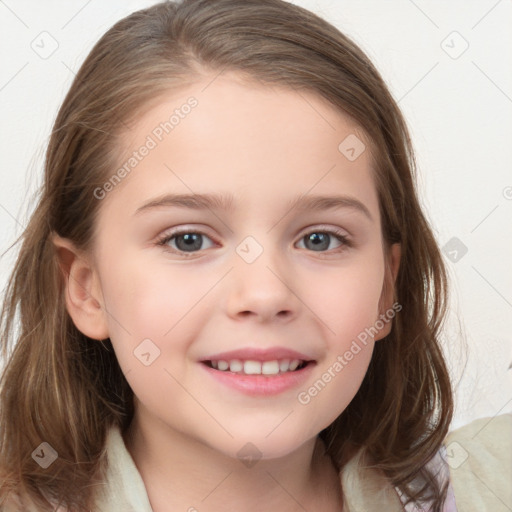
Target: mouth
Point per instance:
(259, 378)
(253, 367)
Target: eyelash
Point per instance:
(167, 237)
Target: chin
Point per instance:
(251, 446)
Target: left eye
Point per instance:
(318, 241)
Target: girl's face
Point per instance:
(256, 269)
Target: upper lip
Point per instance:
(258, 354)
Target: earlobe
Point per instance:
(388, 289)
(82, 289)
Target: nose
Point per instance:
(262, 289)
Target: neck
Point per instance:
(182, 473)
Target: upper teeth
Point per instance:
(257, 367)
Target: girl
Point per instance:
(229, 297)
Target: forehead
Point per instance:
(258, 142)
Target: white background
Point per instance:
(458, 106)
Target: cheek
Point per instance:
(151, 325)
(348, 308)
(162, 303)
(347, 299)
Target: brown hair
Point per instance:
(63, 388)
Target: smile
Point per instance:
(251, 367)
(259, 378)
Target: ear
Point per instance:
(84, 300)
(388, 289)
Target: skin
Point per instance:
(265, 146)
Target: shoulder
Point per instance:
(479, 457)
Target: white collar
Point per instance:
(364, 488)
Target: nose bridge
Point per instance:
(258, 260)
(260, 279)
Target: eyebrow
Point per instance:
(305, 202)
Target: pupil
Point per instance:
(192, 241)
(319, 240)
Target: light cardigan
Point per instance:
(478, 457)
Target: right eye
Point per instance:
(185, 241)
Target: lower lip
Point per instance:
(261, 385)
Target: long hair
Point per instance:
(62, 388)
